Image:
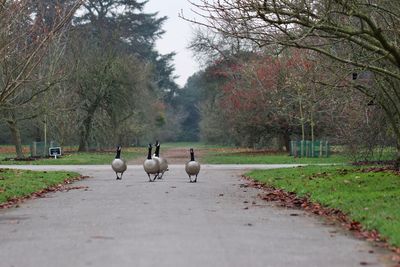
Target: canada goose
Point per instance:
(162, 161)
(151, 166)
(119, 164)
(192, 167)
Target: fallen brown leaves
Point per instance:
(335, 216)
(62, 187)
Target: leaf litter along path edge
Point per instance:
(64, 186)
(334, 216)
(150, 224)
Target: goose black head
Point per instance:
(118, 152)
(157, 151)
(149, 153)
(191, 154)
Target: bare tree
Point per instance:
(24, 39)
(27, 38)
(360, 34)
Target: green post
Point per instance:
(301, 148)
(291, 148)
(320, 149)
(327, 148)
(312, 148)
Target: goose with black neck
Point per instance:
(119, 164)
(162, 161)
(151, 166)
(192, 167)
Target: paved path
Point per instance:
(169, 223)
(175, 155)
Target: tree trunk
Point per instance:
(285, 141)
(397, 160)
(16, 137)
(312, 132)
(86, 127)
(396, 130)
(302, 120)
(85, 134)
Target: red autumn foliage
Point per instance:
(258, 84)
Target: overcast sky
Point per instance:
(177, 36)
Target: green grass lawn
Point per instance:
(213, 154)
(371, 198)
(274, 158)
(81, 158)
(22, 183)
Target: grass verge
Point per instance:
(18, 184)
(371, 198)
(77, 158)
(229, 156)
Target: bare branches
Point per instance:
(305, 24)
(359, 35)
(24, 39)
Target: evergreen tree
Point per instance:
(121, 29)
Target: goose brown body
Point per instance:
(192, 167)
(119, 165)
(151, 166)
(161, 161)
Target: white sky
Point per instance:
(177, 36)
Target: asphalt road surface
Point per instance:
(171, 222)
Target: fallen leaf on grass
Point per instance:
(355, 226)
(396, 258)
